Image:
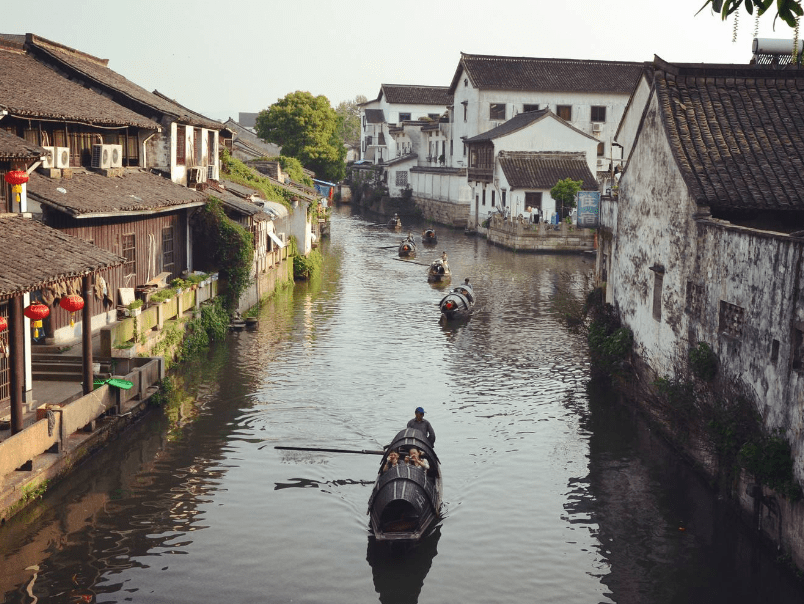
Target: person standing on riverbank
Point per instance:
(421, 424)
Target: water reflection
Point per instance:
(399, 573)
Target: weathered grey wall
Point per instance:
(706, 265)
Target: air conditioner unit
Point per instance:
(107, 156)
(596, 127)
(196, 176)
(56, 157)
(495, 124)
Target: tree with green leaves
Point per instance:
(565, 192)
(786, 10)
(306, 127)
(349, 127)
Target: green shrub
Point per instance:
(703, 361)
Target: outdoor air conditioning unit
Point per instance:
(596, 128)
(56, 157)
(196, 175)
(107, 156)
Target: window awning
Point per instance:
(276, 239)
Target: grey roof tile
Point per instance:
(529, 170)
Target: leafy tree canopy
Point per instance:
(786, 10)
(349, 127)
(307, 128)
(565, 191)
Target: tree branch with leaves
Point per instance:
(787, 10)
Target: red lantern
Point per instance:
(36, 312)
(3, 324)
(72, 304)
(17, 178)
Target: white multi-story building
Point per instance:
(395, 105)
(488, 91)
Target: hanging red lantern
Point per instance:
(3, 324)
(36, 312)
(16, 178)
(72, 304)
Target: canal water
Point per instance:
(552, 492)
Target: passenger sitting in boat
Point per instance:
(393, 459)
(415, 459)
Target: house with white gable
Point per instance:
(511, 168)
(487, 91)
(704, 244)
(394, 105)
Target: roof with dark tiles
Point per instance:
(38, 256)
(89, 194)
(530, 170)
(489, 72)
(30, 89)
(736, 132)
(14, 147)
(95, 70)
(416, 95)
(520, 121)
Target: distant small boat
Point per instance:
(429, 237)
(395, 223)
(407, 248)
(438, 271)
(458, 304)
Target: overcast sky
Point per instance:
(223, 57)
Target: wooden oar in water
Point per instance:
(360, 451)
(410, 261)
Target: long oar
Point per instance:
(410, 261)
(362, 451)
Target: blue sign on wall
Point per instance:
(589, 209)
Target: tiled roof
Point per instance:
(252, 141)
(547, 75)
(374, 116)
(737, 133)
(14, 147)
(274, 208)
(95, 70)
(38, 255)
(237, 203)
(402, 159)
(88, 194)
(529, 170)
(416, 95)
(30, 89)
(520, 121)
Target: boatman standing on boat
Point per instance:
(421, 424)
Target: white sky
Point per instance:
(222, 57)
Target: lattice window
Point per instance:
(129, 252)
(181, 146)
(731, 320)
(658, 282)
(695, 300)
(167, 249)
(401, 178)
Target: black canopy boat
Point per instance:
(406, 500)
(429, 237)
(407, 248)
(458, 304)
(438, 271)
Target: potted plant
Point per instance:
(135, 308)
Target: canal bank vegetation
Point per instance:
(228, 248)
(695, 408)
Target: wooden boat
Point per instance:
(458, 304)
(407, 248)
(406, 500)
(395, 223)
(438, 271)
(429, 237)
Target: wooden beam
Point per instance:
(86, 335)
(16, 361)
